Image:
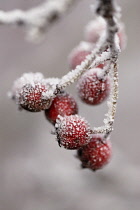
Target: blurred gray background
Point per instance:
(35, 174)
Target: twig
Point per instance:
(107, 10)
(37, 19)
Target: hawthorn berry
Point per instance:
(63, 104)
(92, 88)
(72, 131)
(29, 92)
(96, 154)
(79, 54)
(96, 28)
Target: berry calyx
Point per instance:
(96, 154)
(30, 92)
(63, 104)
(92, 88)
(72, 131)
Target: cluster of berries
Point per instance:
(93, 32)
(32, 92)
(73, 132)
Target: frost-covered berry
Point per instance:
(96, 154)
(95, 29)
(92, 87)
(79, 54)
(31, 92)
(72, 131)
(63, 104)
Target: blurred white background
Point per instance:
(35, 174)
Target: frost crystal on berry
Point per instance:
(31, 92)
(95, 154)
(72, 131)
(92, 88)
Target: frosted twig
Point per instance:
(90, 61)
(107, 10)
(37, 19)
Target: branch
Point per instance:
(108, 11)
(37, 19)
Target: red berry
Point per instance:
(92, 88)
(72, 131)
(94, 30)
(95, 154)
(63, 104)
(101, 66)
(30, 91)
(79, 54)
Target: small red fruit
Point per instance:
(30, 98)
(63, 104)
(72, 131)
(95, 29)
(30, 91)
(92, 88)
(95, 154)
(79, 54)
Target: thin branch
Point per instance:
(37, 19)
(107, 10)
(90, 61)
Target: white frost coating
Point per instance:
(101, 59)
(73, 75)
(51, 84)
(27, 78)
(72, 131)
(37, 19)
(84, 46)
(32, 89)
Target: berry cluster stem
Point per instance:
(107, 10)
